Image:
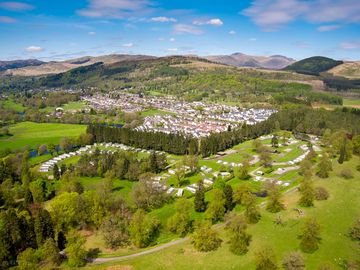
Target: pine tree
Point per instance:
(43, 226)
(199, 201)
(274, 203)
(56, 172)
(307, 192)
(324, 166)
(229, 201)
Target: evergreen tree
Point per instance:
(229, 201)
(199, 200)
(216, 210)
(342, 152)
(43, 226)
(51, 252)
(56, 172)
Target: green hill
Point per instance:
(313, 65)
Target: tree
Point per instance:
(181, 222)
(205, 238)
(43, 226)
(56, 172)
(293, 261)
(310, 236)
(143, 228)
(324, 166)
(66, 144)
(216, 209)
(28, 259)
(147, 195)
(115, 230)
(241, 192)
(42, 149)
(75, 250)
(275, 141)
(239, 238)
(51, 148)
(243, 171)
(199, 201)
(180, 173)
(229, 201)
(274, 203)
(321, 193)
(265, 259)
(307, 192)
(252, 213)
(51, 252)
(265, 157)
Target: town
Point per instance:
(196, 119)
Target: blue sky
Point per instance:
(57, 30)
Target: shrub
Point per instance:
(346, 173)
(321, 194)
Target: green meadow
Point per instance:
(29, 134)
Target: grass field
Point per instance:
(11, 105)
(29, 134)
(335, 245)
(152, 112)
(355, 103)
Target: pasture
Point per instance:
(29, 134)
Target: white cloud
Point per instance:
(350, 45)
(214, 22)
(128, 45)
(172, 39)
(272, 15)
(232, 32)
(172, 49)
(92, 33)
(163, 19)
(252, 39)
(117, 9)
(33, 49)
(6, 19)
(325, 28)
(187, 29)
(16, 6)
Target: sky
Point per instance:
(62, 29)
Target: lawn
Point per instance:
(350, 102)
(335, 215)
(152, 112)
(29, 134)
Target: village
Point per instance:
(196, 119)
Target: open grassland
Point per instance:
(29, 134)
(335, 215)
(12, 105)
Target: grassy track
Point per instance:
(34, 134)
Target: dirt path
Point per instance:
(145, 252)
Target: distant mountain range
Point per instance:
(243, 60)
(53, 67)
(5, 65)
(311, 66)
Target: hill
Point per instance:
(313, 65)
(243, 60)
(350, 70)
(15, 64)
(63, 66)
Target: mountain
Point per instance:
(349, 70)
(5, 65)
(46, 68)
(313, 65)
(243, 60)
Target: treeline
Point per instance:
(171, 143)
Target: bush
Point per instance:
(346, 173)
(321, 194)
(205, 238)
(358, 168)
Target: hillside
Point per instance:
(313, 65)
(243, 60)
(63, 66)
(16, 64)
(350, 70)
